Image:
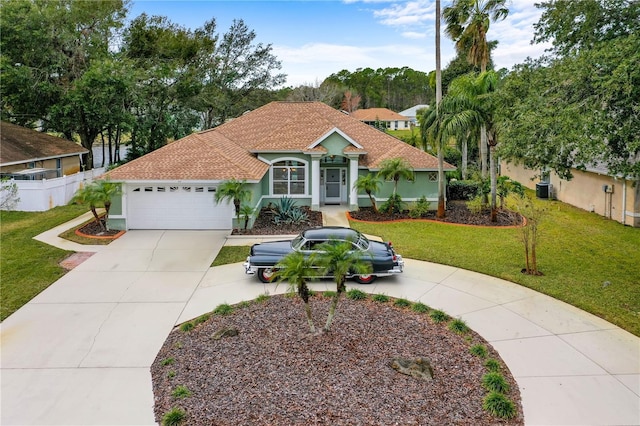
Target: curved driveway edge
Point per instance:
(80, 352)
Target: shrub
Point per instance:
(394, 204)
(328, 293)
(420, 308)
(174, 417)
(181, 392)
(356, 294)
(420, 208)
(499, 405)
(463, 189)
(201, 319)
(287, 213)
(223, 309)
(187, 326)
(167, 361)
(476, 205)
(382, 298)
(495, 382)
(458, 326)
(439, 316)
(492, 365)
(401, 303)
(262, 298)
(479, 351)
(171, 374)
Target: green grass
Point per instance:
(231, 254)
(28, 266)
(577, 253)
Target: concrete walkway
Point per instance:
(79, 353)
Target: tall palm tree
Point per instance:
(468, 107)
(340, 259)
(439, 143)
(394, 169)
(370, 184)
(432, 134)
(296, 269)
(235, 191)
(467, 23)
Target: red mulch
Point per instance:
(94, 229)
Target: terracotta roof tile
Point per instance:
(230, 150)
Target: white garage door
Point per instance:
(177, 207)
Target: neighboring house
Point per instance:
(392, 120)
(412, 113)
(304, 150)
(45, 169)
(593, 190)
(30, 155)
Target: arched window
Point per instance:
(289, 177)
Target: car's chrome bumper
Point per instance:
(249, 269)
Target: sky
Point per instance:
(314, 39)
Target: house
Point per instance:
(307, 151)
(392, 120)
(30, 155)
(412, 113)
(593, 189)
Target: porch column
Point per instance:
(315, 182)
(353, 176)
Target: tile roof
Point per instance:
(373, 114)
(20, 145)
(230, 150)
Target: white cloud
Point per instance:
(407, 13)
(414, 35)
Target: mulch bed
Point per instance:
(273, 372)
(94, 229)
(457, 212)
(264, 224)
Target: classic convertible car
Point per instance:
(384, 261)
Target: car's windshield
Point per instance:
(296, 243)
(362, 242)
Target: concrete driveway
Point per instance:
(80, 352)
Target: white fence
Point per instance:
(42, 195)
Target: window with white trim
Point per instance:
(289, 177)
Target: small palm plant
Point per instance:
(95, 194)
(370, 184)
(246, 211)
(340, 259)
(235, 191)
(296, 269)
(394, 169)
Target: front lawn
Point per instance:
(587, 261)
(28, 266)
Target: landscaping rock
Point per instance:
(420, 367)
(224, 332)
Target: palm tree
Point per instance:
(340, 259)
(296, 269)
(370, 184)
(246, 211)
(235, 191)
(394, 169)
(467, 23)
(97, 193)
(468, 107)
(431, 129)
(439, 143)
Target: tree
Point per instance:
(587, 114)
(467, 23)
(394, 169)
(529, 231)
(96, 193)
(232, 71)
(235, 191)
(296, 269)
(575, 26)
(340, 259)
(47, 47)
(439, 142)
(370, 184)
(8, 194)
(246, 211)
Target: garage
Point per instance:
(176, 206)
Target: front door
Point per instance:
(332, 186)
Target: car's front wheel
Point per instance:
(364, 279)
(266, 274)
